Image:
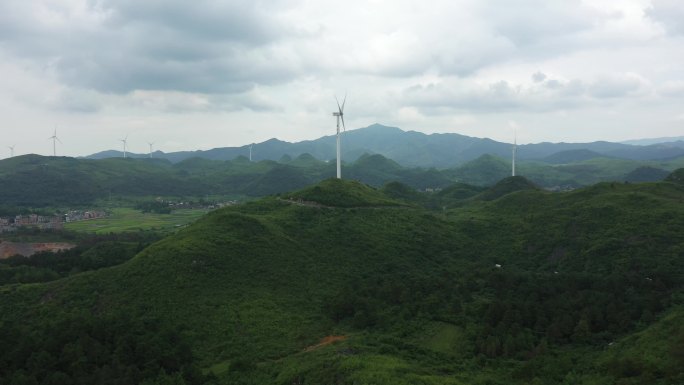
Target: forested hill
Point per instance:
(37, 181)
(416, 149)
(342, 283)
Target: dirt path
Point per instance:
(325, 342)
(303, 203)
(300, 202)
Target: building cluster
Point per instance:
(77, 215)
(174, 205)
(8, 224)
(219, 205)
(55, 222)
(432, 189)
(561, 188)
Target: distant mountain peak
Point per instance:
(650, 141)
(378, 126)
(571, 156)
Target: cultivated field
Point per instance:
(127, 219)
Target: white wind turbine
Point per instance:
(150, 143)
(340, 116)
(515, 149)
(250, 151)
(11, 150)
(55, 139)
(124, 141)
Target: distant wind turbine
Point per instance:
(340, 116)
(515, 149)
(55, 139)
(124, 141)
(11, 151)
(250, 151)
(150, 143)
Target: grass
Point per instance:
(443, 338)
(126, 219)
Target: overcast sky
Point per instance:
(209, 73)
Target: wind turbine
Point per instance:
(340, 116)
(124, 141)
(250, 151)
(55, 139)
(11, 151)
(515, 149)
(150, 143)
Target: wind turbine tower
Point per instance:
(515, 149)
(150, 143)
(55, 139)
(11, 151)
(124, 141)
(250, 151)
(340, 116)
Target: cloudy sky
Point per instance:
(210, 73)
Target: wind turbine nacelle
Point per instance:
(336, 114)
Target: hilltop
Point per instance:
(521, 288)
(341, 193)
(505, 187)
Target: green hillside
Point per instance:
(483, 171)
(37, 181)
(341, 193)
(527, 287)
(33, 181)
(504, 187)
(676, 177)
(646, 174)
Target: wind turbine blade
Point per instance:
(343, 102)
(338, 104)
(343, 126)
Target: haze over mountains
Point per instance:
(415, 149)
(38, 181)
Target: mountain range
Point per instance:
(38, 181)
(415, 149)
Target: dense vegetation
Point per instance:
(35, 182)
(82, 349)
(91, 252)
(506, 285)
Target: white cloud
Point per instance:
(669, 13)
(538, 77)
(617, 85)
(673, 88)
(239, 70)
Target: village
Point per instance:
(44, 222)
